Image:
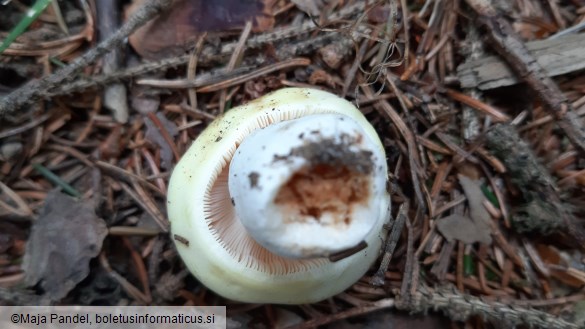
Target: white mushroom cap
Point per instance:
(214, 243)
(309, 187)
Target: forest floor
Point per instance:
(480, 105)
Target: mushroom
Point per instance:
(281, 200)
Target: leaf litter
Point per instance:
(62, 242)
(430, 126)
(476, 227)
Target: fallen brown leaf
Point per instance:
(173, 32)
(462, 228)
(475, 197)
(63, 240)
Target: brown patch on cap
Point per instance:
(322, 188)
(335, 181)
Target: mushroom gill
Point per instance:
(226, 227)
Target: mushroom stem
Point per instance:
(309, 187)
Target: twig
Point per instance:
(128, 287)
(165, 134)
(354, 67)
(459, 268)
(406, 30)
(115, 98)
(461, 306)
(441, 266)
(358, 310)
(410, 276)
(56, 84)
(23, 208)
(493, 112)
(414, 162)
(139, 266)
(59, 17)
(146, 205)
(391, 242)
(289, 50)
(29, 125)
(509, 45)
(192, 68)
(133, 230)
(257, 73)
(127, 176)
(33, 90)
(235, 59)
(573, 29)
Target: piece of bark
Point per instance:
(557, 56)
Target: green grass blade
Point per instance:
(49, 175)
(28, 18)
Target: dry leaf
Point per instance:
(462, 228)
(479, 215)
(175, 31)
(475, 228)
(67, 235)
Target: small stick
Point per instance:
(391, 242)
(128, 287)
(165, 134)
(114, 95)
(235, 59)
(300, 61)
(139, 266)
(410, 276)
(355, 311)
(192, 69)
(462, 306)
(33, 89)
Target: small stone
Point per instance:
(10, 150)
